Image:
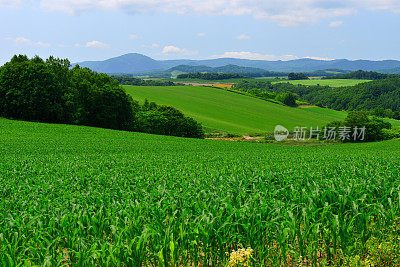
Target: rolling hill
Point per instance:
(129, 63)
(137, 63)
(218, 109)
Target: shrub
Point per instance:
(375, 128)
(167, 120)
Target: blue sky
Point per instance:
(171, 29)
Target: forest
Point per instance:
(363, 75)
(379, 97)
(210, 76)
(126, 80)
(297, 76)
(51, 91)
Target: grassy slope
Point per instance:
(233, 113)
(87, 195)
(328, 82)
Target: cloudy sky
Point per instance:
(200, 29)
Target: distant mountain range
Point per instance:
(221, 69)
(175, 71)
(138, 63)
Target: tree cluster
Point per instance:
(210, 76)
(166, 120)
(244, 71)
(375, 129)
(266, 90)
(363, 75)
(51, 91)
(297, 76)
(125, 80)
(287, 98)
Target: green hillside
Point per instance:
(234, 113)
(82, 196)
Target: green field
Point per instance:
(234, 113)
(225, 81)
(81, 196)
(327, 82)
(322, 82)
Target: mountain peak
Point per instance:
(138, 63)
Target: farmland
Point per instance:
(229, 81)
(322, 82)
(75, 195)
(234, 113)
(326, 82)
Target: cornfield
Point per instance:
(81, 196)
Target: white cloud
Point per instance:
(254, 56)
(258, 56)
(334, 24)
(242, 37)
(201, 34)
(170, 49)
(28, 42)
(320, 58)
(133, 36)
(283, 12)
(155, 45)
(96, 44)
(12, 3)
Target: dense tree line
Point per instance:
(363, 75)
(327, 72)
(245, 71)
(264, 90)
(379, 97)
(125, 80)
(210, 76)
(265, 74)
(256, 88)
(297, 76)
(51, 91)
(370, 96)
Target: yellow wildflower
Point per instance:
(240, 257)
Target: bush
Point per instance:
(297, 76)
(166, 120)
(391, 133)
(375, 128)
